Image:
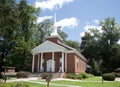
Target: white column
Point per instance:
(62, 61)
(41, 62)
(33, 63)
(65, 62)
(38, 62)
(53, 65)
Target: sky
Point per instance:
(76, 16)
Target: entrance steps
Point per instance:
(54, 75)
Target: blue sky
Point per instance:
(83, 13)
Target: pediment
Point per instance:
(48, 46)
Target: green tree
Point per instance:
(103, 46)
(7, 27)
(42, 31)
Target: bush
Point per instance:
(109, 76)
(44, 75)
(79, 76)
(20, 85)
(84, 75)
(23, 74)
(71, 75)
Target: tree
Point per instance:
(42, 31)
(103, 45)
(7, 27)
(16, 27)
(108, 42)
(24, 41)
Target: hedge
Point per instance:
(109, 76)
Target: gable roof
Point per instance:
(73, 50)
(48, 46)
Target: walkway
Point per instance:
(30, 80)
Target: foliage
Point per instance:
(23, 74)
(109, 76)
(78, 76)
(16, 33)
(44, 75)
(100, 46)
(43, 30)
(71, 75)
(74, 44)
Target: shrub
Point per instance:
(71, 75)
(44, 75)
(23, 74)
(109, 76)
(84, 75)
(20, 85)
(79, 76)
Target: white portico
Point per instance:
(50, 57)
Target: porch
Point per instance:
(49, 62)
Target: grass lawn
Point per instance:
(90, 82)
(30, 85)
(96, 78)
(83, 84)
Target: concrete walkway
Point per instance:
(32, 80)
(35, 78)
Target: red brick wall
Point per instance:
(57, 56)
(36, 63)
(70, 63)
(75, 64)
(80, 65)
(54, 39)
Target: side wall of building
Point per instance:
(70, 63)
(80, 65)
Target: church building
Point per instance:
(55, 56)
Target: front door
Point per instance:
(49, 66)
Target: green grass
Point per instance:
(96, 78)
(90, 84)
(30, 84)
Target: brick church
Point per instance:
(55, 56)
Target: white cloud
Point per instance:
(87, 27)
(51, 4)
(82, 34)
(118, 41)
(67, 22)
(41, 19)
(96, 21)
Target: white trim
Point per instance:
(65, 62)
(62, 61)
(41, 62)
(53, 65)
(33, 63)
